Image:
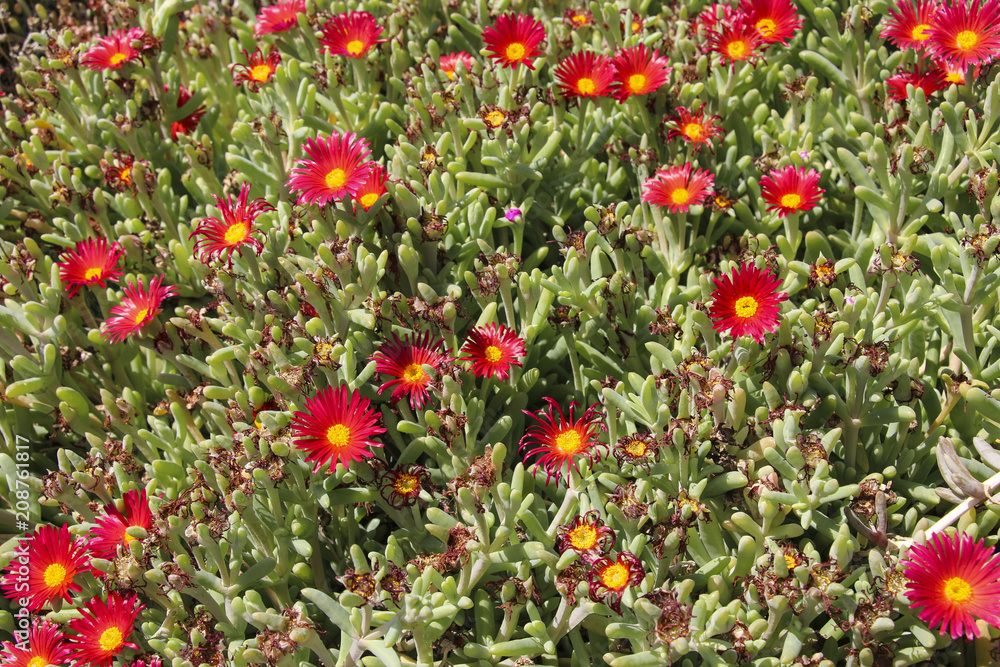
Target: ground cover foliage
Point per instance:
(711, 498)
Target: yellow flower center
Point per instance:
(680, 196)
(338, 436)
(615, 576)
(586, 86)
(746, 306)
(635, 447)
(955, 77)
(368, 200)
(495, 119)
(117, 58)
(450, 73)
(737, 50)
(55, 575)
(355, 47)
(37, 662)
(514, 51)
(126, 175)
(919, 32)
(966, 40)
(791, 200)
(336, 179)
(583, 537)
(128, 538)
(637, 83)
(406, 484)
(790, 561)
(91, 274)
(580, 19)
(261, 73)
(636, 27)
(568, 442)
(824, 270)
(236, 234)
(693, 131)
(493, 354)
(957, 590)
(141, 315)
(766, 27)
(111, 640)
(414, 373)
(721, 201)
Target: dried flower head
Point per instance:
(587, 535)
(401, 486)
(636, 448)
(609, 579)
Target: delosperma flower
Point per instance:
(493, 350)
(103, 629)
(448, 62)
(737, 42)
(45, 645)
(954, 580)
(930, 81)
(638, 71)
(234, 232)
(53, 560)
(791, 189)
(110, 532)
(404, 360)
(336, 168)
(401, 486)
(636, 449)
(775, 20)
(113, 51)
(258, 69)
(694, 127)
(372, 188)
(137, 310)
(336, 428)
(586, 74)
(513, 39)
(90, 262)
(578, 17)
(966, 33)
(351, 34)
(609, 579)
(561, 440)
(678, 188)
(907, 26)
(587, 535)
(279, 17)
(746, 303)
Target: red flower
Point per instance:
(404, 359)
(257, 71)
(638, 71)
(110, 533)
(560, 443)
(45, 646)
(279, 18)
(234, 231)
(103, 628)
(738, 41)
(746, 303)
(775, 20)
(678, 188)
(587, 535)
(930, 81)
(694, 127)
(113, 51)
(608, 579)
(708, 18)
(578, 18)
(907, 27)
(50, 559)
(91, 262)
(188, 123)
(493, 350)
(336, 169)
(449, 62)
(336, 428)
(351, 34)
(513, 39)
(952, 73)
(118, 172)
(401, 487)
(791, 189)
(586, 74)
(955, 579)
(137, 310)
(373, 188)
(966, 34)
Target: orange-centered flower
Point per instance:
(739, 41)
(448, 63)
(234, 231)
(775, 20)
(678, 188)
(280, 17)
(102, 631)
(791, 189)
(638, 71)
(908, 27)
(493, 350)
(137, 310)
(45, 645)
(258, 69)
(586, 74)
(404, 360)
(746, 302)
(608, 578)
(561, 442)
(351, 34)
(110, 532)
(336, 168)
(53, 560)
(587, 535)
(114, 51)
(91, 262)
(513, 39)
(966, 33)
(336, 427)
(373, 188)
